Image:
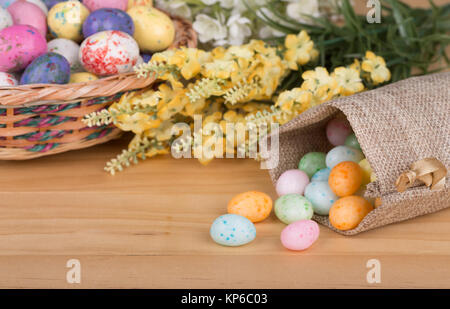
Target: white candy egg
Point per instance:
(67, 48)
(7, 80)
(5, 19)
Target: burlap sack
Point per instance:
(396, 125)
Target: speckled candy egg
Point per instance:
(146, 57)
(154, 30)
(109, 52)
(94, 5)
(26, 13)
(82, 77)
(5, 19)
(108, 19)
(51, 3)
(41, 5)
(345, 178)
(254, 205)
(321, 197)
(232, 230)
(50, 68)
(132, 3)
(343, 153)
(19, 46)
(67, 48)
(352, 141)
(7, 80)
(366, 170)
(292, 181)
(312, 162)
(293, 207)
(321, 175)
(348, 212)
(66, 19)
(337, 131)
(300, 235)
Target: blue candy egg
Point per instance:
(52, 3)
(232, 230)
(50, 68)
(341, 154)
(108, 19)
(321, 175)
(146, 57)
(321, 197)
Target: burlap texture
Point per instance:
(396, 125)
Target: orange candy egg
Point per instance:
(255, 206)
(345, 178)
(347, 212)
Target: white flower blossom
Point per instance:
(209, 29)
(175, 7)
(238, 29)
(297, 10)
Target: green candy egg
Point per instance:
(293, 207)
(352, 141)
(312, 162)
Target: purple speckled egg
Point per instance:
(94, 5)
(50, 68)
(19, 46)
(337, 131)
(146, 57)
(108, 19)
(26, 13)
(292, 181)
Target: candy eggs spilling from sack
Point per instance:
(341, 154)
(50, 68)
(5, 19)
(345, 178)
(7, 80)
(312, 162)
(82, 77)
(300, 235)
(67, 48)
(108, 19)
(154, 30)
(337, 131)
(321, 197)
(293, 207)
(66, 19)
(348, 212)
(94, 5)
(292, 181)
(26, 13)
(109, 52)
(255, 206)
(232, 230)
(321, 175)
(19, 46)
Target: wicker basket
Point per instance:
(40, 120)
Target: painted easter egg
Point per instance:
(5, 19)
(7, 80)
(293, 207)
(337, 131)
(348, 212)
(51, 3)
(67, 48)
(66, 19)
(26, 13)
(94, 5)
(154, 30)
(41, 5)
(109, 52)
(345, 178)
(321, 175)
(321, 197)
(342, 153)
(292, 181)
(6, 3)
(19, 46)
(352, 141)
(300, 235)
(108, 19)
(232, 230)
(366, 170)
(82, 77)
(132, 3)
(50, 68)
(140, 60)
(312, 162)
(255, 206)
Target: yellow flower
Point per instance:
(219, 69)
(299, 49)
(297, 96)
(376, 66)
(189, 61)
(137, 123)
(320, 84)
(356, 65)
(349, 81)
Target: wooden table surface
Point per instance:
(148, 227)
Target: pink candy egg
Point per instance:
(94, 5)
(26, 13)
(300, 235)
(337, 131)
(292, 181)
(19, 46)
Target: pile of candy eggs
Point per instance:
(328, 184)
(95, 38)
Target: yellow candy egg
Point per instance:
(366, 171)
(154, 30)
(82, 77)
(254, 205)
(347, 212)
(65, 20)
(133, 3)
(345, 178)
